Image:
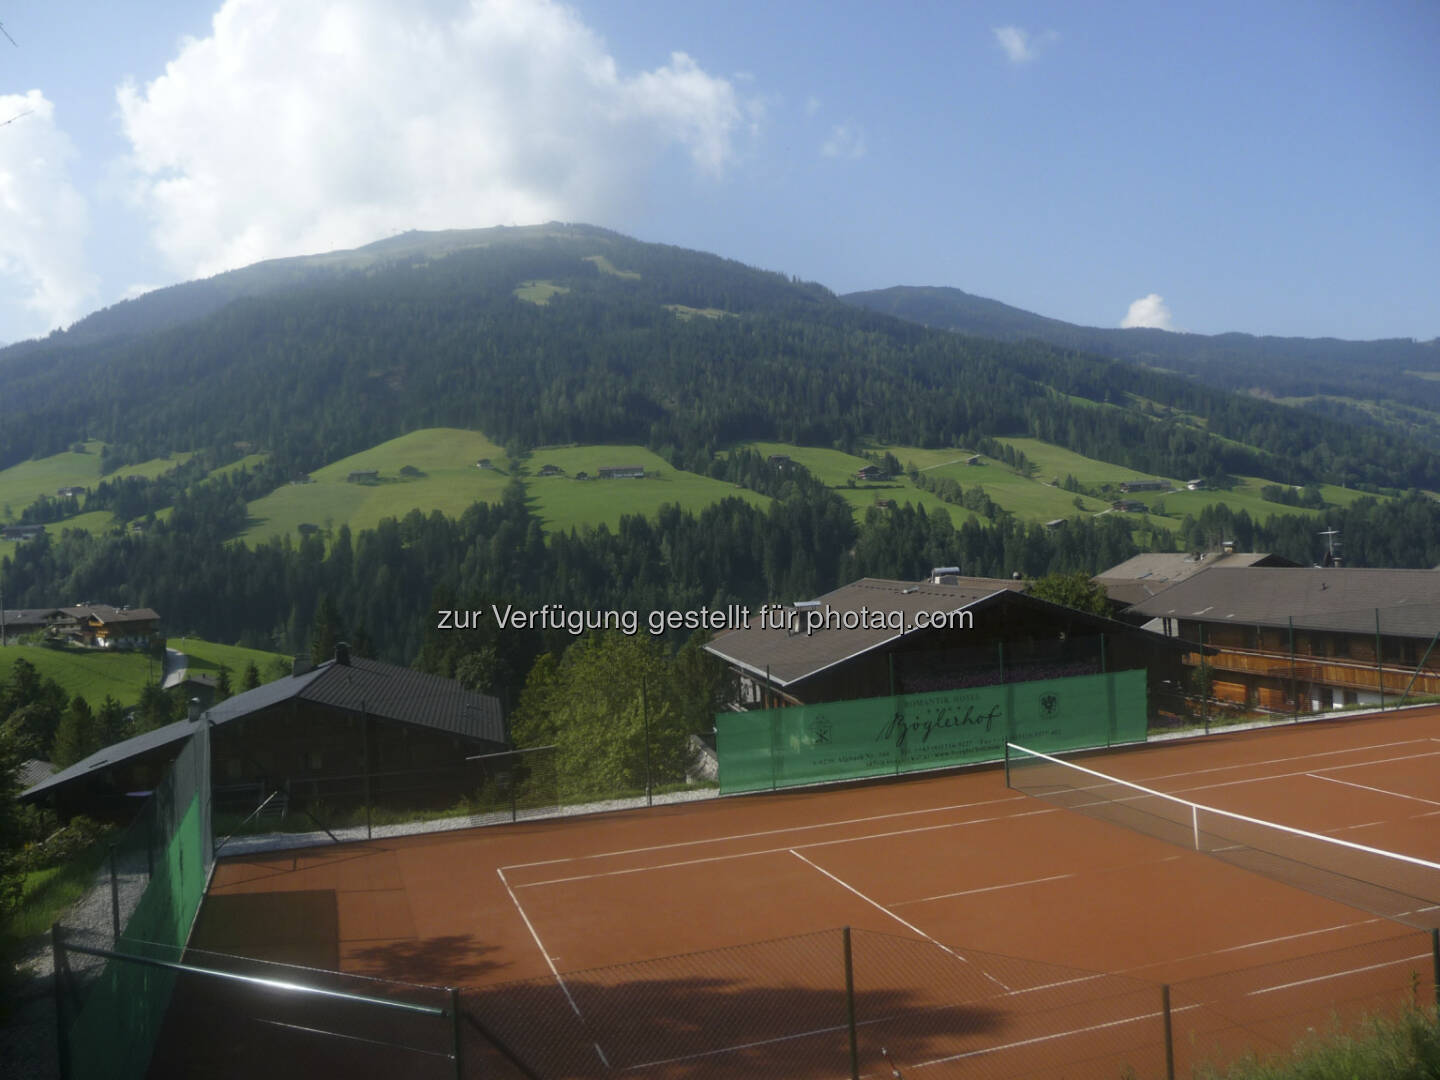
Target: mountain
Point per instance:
(575, 334)
(1393, 383)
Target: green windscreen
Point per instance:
(847, 740)
(163, 860)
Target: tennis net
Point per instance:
(1400, 887)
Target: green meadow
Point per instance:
(539, 292)
(1053, 462)
(91, 673)
(565, 503)
(22, 484)
(607, 267)
(449, 482)
(208, 656)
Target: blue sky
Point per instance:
(1270, 168)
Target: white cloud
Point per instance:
(845, 141)
(1149, 311)
(1020, 46)
(299, 126)
(43, 219)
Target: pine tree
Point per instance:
(76, 738)
(251, 679)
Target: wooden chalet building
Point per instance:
(992, 633)
(327, 733)
(1306, 638)
(101, 626)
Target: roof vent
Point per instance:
(342, 653)
(193, 710)
(945, 575)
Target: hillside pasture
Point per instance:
(565, 503)
(450, 483)
(90, 673)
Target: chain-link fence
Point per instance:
(854, 1003)
(109, 1011)
(482, 789)
(227, 1016)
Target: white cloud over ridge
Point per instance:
(44, 220)
(298, 126)
(1020, 46)
(1149, 311)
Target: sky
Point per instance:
(1272, 168)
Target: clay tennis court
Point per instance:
(981, 919)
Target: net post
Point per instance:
(850, 1005)
(1169, 1032)
(62, 1033)
(1007, 764)
(1195, 824)
(455, 1054)
(114, 898)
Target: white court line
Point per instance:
(908, 926)
(985, 889)
(1339, 974)
(766, 832)
(1248, 945)
(780, 850)
(553, 970)
(1283, 760)
(1299, 772)
(1049, 1038)
(1367, 787)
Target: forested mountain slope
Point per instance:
(1391, 383)
(558, 334)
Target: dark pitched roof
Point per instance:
(33, 771)
(114, 754)
(108, 613)
(370, 686)
(788, 657)
(1334, 598)
(1144, 575)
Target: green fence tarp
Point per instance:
(848, 740)
(114, 1031)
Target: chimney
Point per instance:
(945, 575)
(194, 710)
(300, 665)
(1227, 547)
(342, 653)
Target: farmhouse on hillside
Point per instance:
(622, 472)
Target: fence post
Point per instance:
(850, 1006)
(1204, 684)
(455, 1034)
(1169, 1034)
(62, 1033)
(1295, 681)
(365, 739)
(114, 899)
(1435, 964)
(645, 717)
(1379, 662)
